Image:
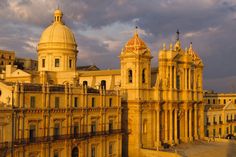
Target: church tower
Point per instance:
(135, 60)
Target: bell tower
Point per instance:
(135, 62)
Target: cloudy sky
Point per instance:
(102, 27)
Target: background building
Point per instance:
(26, 64)
(220, 114)
(6, 58)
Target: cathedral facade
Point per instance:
(160, 106)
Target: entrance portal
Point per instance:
(75, 152)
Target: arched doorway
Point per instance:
(75, 152)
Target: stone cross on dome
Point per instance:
(177, 34)
(136, 30)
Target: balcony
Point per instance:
(215, 123)
(220, 122)
(208, 123)
(79, 136)
(229, 120)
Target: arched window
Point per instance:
(103, 84)
(130, 76)
(85, 83)
(75, 152)
(143, 76)
(70, 63)
(178, 82)
(43, 63)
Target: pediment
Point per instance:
(230, 106)
(20, 73)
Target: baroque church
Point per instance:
(158, 106)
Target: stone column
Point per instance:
(195, 122)
(158, 127)
(174, 77)
(166, 125)
(189, 78)
(171, 78)
(176, 126)
(190, 125)
(185, 78)
(171, 126)
(201, 121)
(21, 127)
(186, 125)
(21, 95)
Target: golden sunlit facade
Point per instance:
(220, 115)
(152, 107)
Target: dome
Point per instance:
(57, 32)
(135, 43)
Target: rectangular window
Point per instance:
(32, 133)
(224, 101)
(93, 102)
(75, 101)
(207, 133)
(220, 120)
(56, 154)
(220, 131)
(43, 63)
(214, 120)
(56, 130)
(32, 102)
(93, 127)
(234, 101)
(178, 82)
(110, 102)
(110, 125)
(76, 128)
(57, 62)
(214, 132)
(93, 151)
(110, 148)
(70, 63)
(57, 102)
(234, 129)
(227, 130)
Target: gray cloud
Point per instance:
(209, 24)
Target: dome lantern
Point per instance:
(58, 15)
